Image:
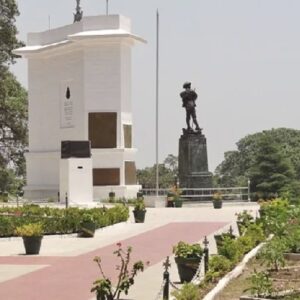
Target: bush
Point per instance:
(272, 253)
(58, 221)
(255, 233)
(218, 267)
(188, 291)
(230, 250)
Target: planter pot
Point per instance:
(187, 268)
(87, 229)
(217, 204)
(170, 203)
(178, 203)
(32, 244)
(139, 216)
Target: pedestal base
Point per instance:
(193, 164)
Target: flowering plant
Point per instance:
(103, 286)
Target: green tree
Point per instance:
(239, 165)
(8, 31)
(167, 172)
(272, 171)
(13, 104)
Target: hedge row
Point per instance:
(56, 220)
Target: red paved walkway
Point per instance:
(72, 277)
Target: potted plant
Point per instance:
(87, 226)
(32, 235)
(177, 197)
(103, 286)
(111, 196)
(139, 211)
(217, 200)
(187, 257)
(170, 200)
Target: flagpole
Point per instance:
(157, 99)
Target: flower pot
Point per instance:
(139, 216)
(87, 229)
(187, 268)
(32, 244)
(178, 202)
(217, 204)
(170, 203)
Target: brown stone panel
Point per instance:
(130, 173)
(127, 135)
(103, 129)
(103, 177)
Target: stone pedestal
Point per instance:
(193, 164)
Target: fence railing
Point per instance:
(228, 193)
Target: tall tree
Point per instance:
(167, 172)
(272, 171)
(13, 104)
(239, 165)
(8, 31)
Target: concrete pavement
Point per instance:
(65, 262)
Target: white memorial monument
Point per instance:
(80, 90)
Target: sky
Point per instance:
(242, 56)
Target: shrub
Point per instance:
(58, 221)
(230, 250)
(188, 291)
(245, 243)
(218, 266)
(261, 285)
(103, 286)
(255, 233)
(272, 253)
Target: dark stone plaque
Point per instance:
(130, 173)
(103, 130)
(193, 164)
(127, 135)
(102, 177)
(77, 149)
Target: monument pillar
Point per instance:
(193, 164)
(80, 90)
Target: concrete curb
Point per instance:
(233, 274)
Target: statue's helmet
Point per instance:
(187, 85)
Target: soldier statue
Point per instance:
(79, 13)
(189, 97)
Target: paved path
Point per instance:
(65, 268)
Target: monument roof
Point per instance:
(90, 28)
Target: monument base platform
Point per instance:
(193, 163)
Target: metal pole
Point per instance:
(206, 255)
(166, 278)
(249, 190)
(157, 98)
(67, 201)
(107, 7)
